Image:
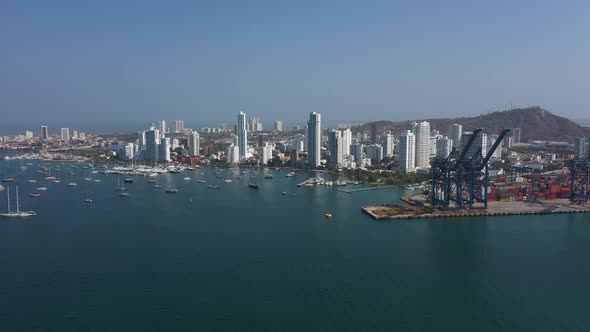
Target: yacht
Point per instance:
(18, 213)
(187, 178)
(172, 190)
(41, 189)
(123, 194)
(34, 194)
(128, 180)
(87, 200)
(72, 184)
(156, 186)
(97, 180)
(7, 180)
(201, 181)
(32, 181)
(56, 181)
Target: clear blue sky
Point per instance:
(127, 63)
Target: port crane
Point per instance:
(460, 181)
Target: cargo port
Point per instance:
(461, 185)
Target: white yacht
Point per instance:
(18, 213)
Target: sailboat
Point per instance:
(172, 190)
(120, 186)
(253, 185)
(211, 185)
(49, 177)
(18, 213)
(227, 179)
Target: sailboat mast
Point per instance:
(17, 210)
(8, 198)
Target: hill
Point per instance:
(535, 124)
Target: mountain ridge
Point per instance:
(535, 123)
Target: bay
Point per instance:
(237, 259)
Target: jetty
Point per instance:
(350, 191)
(416, 207)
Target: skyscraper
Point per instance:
(279, 125)
(44, 132)
(194, 144)
(481, 141)
(444, 146)
(388, 144)
(164, 149)
(356, 150)
(491, 140)
(421, 131)
(178, 126)
(406, 147)
(455, 132)
(65, 134)
(267, 153)
(375, 152)
(335, 142)
(314, 139)
(242, 135)
(581, 147)
(152, 143)
(516, 134)
(346, 142)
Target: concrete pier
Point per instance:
(420, 210)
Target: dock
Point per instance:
(417, 209)
(350, 191)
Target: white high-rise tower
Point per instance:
(314, 139)
(194, 144)
(407, 143)
(421, 131)
(242, 135)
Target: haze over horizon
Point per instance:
(113, 65)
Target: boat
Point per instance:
(32, 181)
(72, 184)
(187, 178)
(268, 176)
(128, 180)
(56, 181)
(253, 185)
(284, 193)
(123, 194)
(120, 186)
(151, 181)
(172, 190)
(156, 186)
(87, 200)
(34, 194)
(1, 187)
(98, 180)
(7, 180)
(41, 189)
(201, 181)
(329, 216)
(87, 179)
(18, 213)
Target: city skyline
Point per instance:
(405, 61)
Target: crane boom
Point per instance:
(493, 148)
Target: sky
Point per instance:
(123, 64)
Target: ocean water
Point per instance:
(236, 259)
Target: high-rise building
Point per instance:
(581, 147)
(194, 144)
(491, 140)
(44, 133)
(375, 152)
(178, 126)
(152, 144)
(279, 125)
(407, 155)
(346, 142)
(141, 140)
(267, 150)
(421, 131)
(455, 132)
(516, 134)
(357, 151)
(28, 134)
(314, 139)
(165, 145)
(480, 142)
(335, 148)
(65, 134)
(444, 146)
(127, 152)
(388, 144)
(162, 126)
(242, 135)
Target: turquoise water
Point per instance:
(236, 259)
